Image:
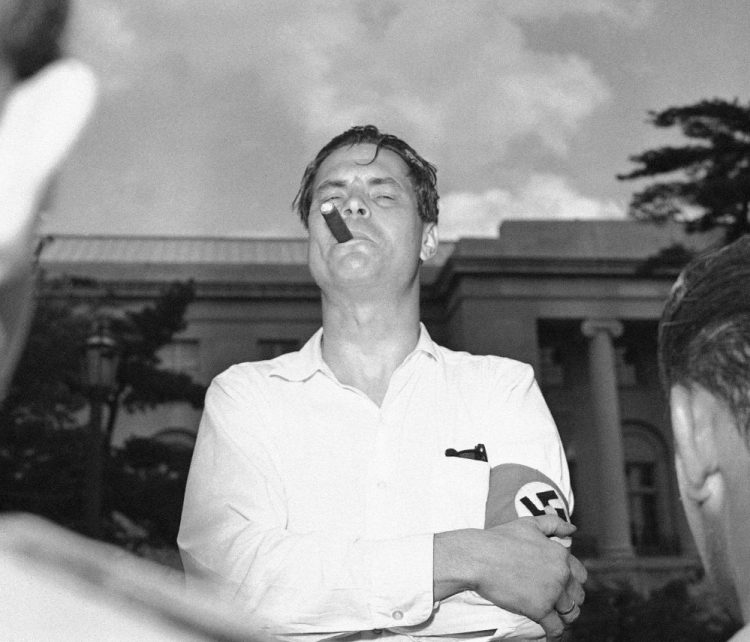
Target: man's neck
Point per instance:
(363, 344)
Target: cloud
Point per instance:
(632, 13)
(429, 69)
(542, 197)
(99, 34)
(215, 108)
(460, 72)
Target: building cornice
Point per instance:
(459, 267)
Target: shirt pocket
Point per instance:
(460, 499)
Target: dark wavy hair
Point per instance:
(704, 333)
(30, 34)
(422, 173)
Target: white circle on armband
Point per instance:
(532, 499)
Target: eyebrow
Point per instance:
(330, 184)
(387, 180)
(375, 181)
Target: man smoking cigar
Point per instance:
(342, 490)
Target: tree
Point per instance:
(141, 383)
(708, 184)
(47, 388)
(41, 442)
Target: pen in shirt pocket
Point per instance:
(478, 453)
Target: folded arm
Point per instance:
(317, 582)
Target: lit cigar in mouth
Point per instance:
(335, 223)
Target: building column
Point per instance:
(614, 540)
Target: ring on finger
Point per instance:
(568, 611)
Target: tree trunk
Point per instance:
(113, 408)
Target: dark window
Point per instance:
(551, 366)
(644, 513)
(272, 348)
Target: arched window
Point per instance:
(649, 489)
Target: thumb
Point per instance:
(553, 526)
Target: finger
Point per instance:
(40, 121)
(553, 626)
(578, 594)
(573, 594)
(570, 615)
(45, 114)
(552, 525)
(578, 570)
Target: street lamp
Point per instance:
(102, 359)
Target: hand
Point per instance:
(516, 567)
(39, 122)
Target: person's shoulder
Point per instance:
(743, 635)
(245, 370)
(250, 373)
(485, 365)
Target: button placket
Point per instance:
(381, 480)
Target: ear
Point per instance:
(694, 417)
(429, 241)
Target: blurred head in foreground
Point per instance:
(704, 358)
(44, 102)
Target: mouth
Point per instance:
(356, 237)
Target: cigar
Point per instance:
(335, 223)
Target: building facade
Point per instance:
(578, 300)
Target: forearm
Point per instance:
(453, 569)
(336, 582)
(515, 566)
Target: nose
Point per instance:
(355, 205)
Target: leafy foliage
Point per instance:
(42, 445)
(706, 185)
(678, 612)
(41, 470)
(146, 482)
(675, 257)
(141, 382)
(47, 385)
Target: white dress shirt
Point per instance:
(318, 507)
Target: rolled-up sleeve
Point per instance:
(234, 531)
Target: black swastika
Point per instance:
(544, 498)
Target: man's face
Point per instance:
(714, 495)
(376, 198)
(710, 535)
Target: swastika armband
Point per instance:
(520, 491)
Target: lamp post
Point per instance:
(102, 359)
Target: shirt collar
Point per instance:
(303, 364)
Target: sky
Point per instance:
(209, 111)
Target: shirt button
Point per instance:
(397, 615)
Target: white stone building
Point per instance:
(569, 297)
